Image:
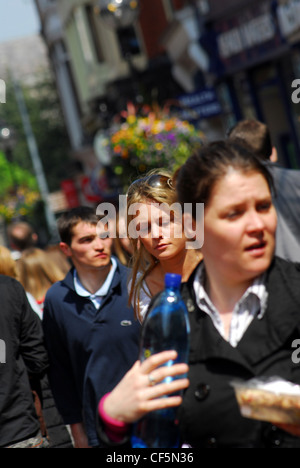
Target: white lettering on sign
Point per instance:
(256, 31)
(289, 17)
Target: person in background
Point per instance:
(287, 184)
(160, 244)
(7, 263)
(91, 333)
(51, 424)
(23, 363)
(58, 257)
(8, 267)
(244, 310)
(37, 271)
(21, 236)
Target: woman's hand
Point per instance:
(134, 396)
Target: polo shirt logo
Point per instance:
(126, 323)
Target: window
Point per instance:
(92, 21)
(128, 41)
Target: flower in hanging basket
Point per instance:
(150, 139)
(20, 202)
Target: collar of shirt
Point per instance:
(253, 303)
(102, 292)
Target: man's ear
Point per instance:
(65, 248)
(274, 155)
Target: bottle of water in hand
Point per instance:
(166, 328)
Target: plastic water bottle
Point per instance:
(166, 328)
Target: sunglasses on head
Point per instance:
(154, 181)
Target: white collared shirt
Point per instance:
(102, 292)
(253, 303)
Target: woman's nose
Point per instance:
(255, 221)
(156, 231)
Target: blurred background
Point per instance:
(95, 92)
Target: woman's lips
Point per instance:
(161, 246)
(257, 247)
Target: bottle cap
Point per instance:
(172, 280)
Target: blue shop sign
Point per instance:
(201, 104)
(249, 37)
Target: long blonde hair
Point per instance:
(7, 263)
(37, 272)
(142, 262)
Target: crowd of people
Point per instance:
(72, 314)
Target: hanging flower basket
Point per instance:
(18, 203)
(149, 139)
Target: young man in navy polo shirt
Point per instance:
(91, 333)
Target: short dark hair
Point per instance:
(68, 220)
(21, 235)
(255, 134)
(196, 178)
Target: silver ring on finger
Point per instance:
(152, 380)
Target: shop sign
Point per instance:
(249, 36)
(252, 33)
(288, 14)
(199, 105)
(57, 201)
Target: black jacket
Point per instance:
(209, 416)
(22, 354)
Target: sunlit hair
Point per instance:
(142, 262)
(7, 263)
(37, 272)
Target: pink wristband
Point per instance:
(115, 429)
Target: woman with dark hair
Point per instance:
(245, 311)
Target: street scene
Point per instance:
(150, 226)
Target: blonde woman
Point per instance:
(7, 263)
(37, 271)
(8, 267)
(155, 229)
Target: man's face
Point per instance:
(87, 250)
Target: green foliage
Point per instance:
(18, 190)
(11, 174)
(48, 127)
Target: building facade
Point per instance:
(222, 61)
(100, 68)
(254, 51)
